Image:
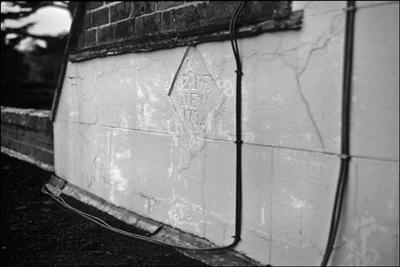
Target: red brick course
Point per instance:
(112, 22)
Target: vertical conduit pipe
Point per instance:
(345, 131)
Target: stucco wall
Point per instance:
(119, 135)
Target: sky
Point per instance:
(48, 21)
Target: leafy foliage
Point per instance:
(28, 77)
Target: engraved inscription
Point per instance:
(194, 93)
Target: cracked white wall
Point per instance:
(119, 135)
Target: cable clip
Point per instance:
(234, 237)
(348, 9)
(344, 156)
(238, 142)
(239, 72)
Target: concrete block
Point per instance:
(202, 175)
(369, 233)
(61, 145)
(375, 111)
(302, 201)
(131, 92)
(283, 104)
(139, 168)
(82, 156)
(258, 187)
(256, 245)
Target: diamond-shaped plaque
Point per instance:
(194, 94)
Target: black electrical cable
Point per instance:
(239, 73)
(345, 131)
(238, 208)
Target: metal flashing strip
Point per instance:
(85, 197)
(158, 230)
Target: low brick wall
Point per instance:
(27, 134)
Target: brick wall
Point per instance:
(117, 27)
(28, 135)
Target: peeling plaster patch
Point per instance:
(118, 183)
(279, 99)
(262, 215)
(98, 169)
(299, 204)
(145, 107)
(152, 96)
(170, 170)
(145, 114)
(139, 91)
(295, 202)
(73, 114)
(126, 154)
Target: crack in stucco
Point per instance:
(299, 68)
(326, 38)
(308, 109)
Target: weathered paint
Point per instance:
(153, 132)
